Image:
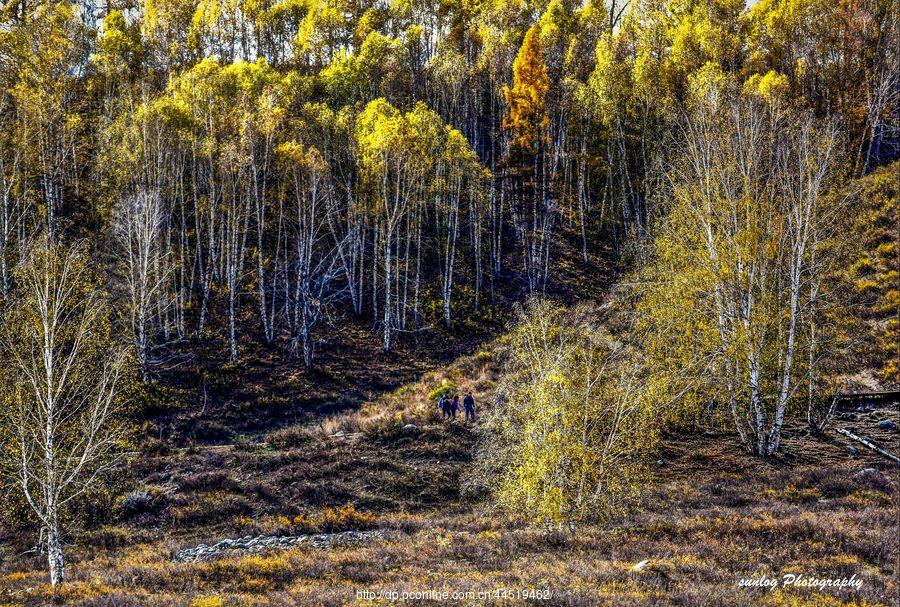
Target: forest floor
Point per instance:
(711, 517)
(261, 449)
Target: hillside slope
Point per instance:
(712, 516)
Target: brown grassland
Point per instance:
(712, 516)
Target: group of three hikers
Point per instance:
(449, 406)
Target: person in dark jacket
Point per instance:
(454, 406)
(469, 405)
(444, 405)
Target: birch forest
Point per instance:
(226, 223)
(292, 157)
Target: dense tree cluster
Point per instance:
(287, 154)
(744, 294)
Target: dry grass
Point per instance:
(701, 529)
(712, 516)
(416, 402)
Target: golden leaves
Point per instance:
(527, 116)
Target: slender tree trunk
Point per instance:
(388, 291)
(306, 335)
(417, 283)
(232, 324)
(54, 550)
(261, 271)
(582, 198)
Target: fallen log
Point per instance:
(870, 445)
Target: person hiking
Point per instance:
(454, 406)
(444, 405)
(469, 404)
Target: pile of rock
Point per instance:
(260, 543)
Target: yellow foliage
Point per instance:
(707, 85)
(564, 443)
(119, 45)
(334, 519)
(773, 87)
(527, 117)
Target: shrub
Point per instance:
(207, 507)
(76, 590)
(208, 431)
(254, 573)
(205, 481)
(346, 517)
(207, 601)
(108, 537)
(333, 520)
(563, 444)
(153, 446)
(446, 387)
(292, 436)
(388, 428)
(143, 501)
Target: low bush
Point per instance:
(255, 574)
(556, 468)
(447, 387)
(207, 507)
(334, 520)
(205, 481)
(140, 502)
(108, 537)
(208, 431)
(388, 428)
(292, 436)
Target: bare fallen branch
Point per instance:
(870, 445)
